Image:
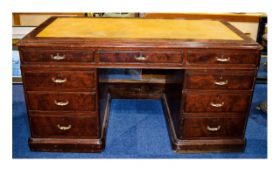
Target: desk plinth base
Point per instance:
(194, 146)
(66, 145)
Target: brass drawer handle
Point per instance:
(58, 57)
(222, 59)
(60, 103)
(221, 83)
(213, 129)
(59, 81)
(64, 128)
(217, 105)
(140, 58)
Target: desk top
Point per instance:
(138, 29)
(81, 32)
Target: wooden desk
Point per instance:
(205, 77)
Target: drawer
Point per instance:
(59, 80)
(213, 127)
(219, 79)
(222, 57)
(62, 101)
(56, 56)
(153, 56)
(216, 102)
(135, 90)
(64, 126)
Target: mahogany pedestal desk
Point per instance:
(205, 75)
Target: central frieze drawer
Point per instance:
(64, 126)
(216, 102)
(62, 101)
(219, 79)
(194, 128)
(222, 57)
(153, 56)
(57, 56)
(59, 80)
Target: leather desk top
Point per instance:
(138, 28)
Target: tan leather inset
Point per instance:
(138, 28)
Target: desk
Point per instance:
(203, 71)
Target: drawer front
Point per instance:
(222, 57)
(59, 80)
(71, 126)
(141, 56)
(135, 90)
(62, 101)
(194, 128)
(216, 102)
(57, 56)
(227, 80)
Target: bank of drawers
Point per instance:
(62, 103)
(215, 102)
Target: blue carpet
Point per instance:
(137, 129)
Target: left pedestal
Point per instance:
(62, 99)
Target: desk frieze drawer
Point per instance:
(212, 127)
(59, 80)
(219, 79)
(62, 101)
(216, 102)
(154, 56)
(64, 126)
(222, 57)
(56, 56)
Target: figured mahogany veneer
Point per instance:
(216, 102)
(64, 126)
(62, 101)
(58, 80)
(56, 55)
(154, 56)
(212, 127)
(213, 64)
(197, 56)
(219, 79)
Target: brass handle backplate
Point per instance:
(58, 57)
(213, 129)
(221, 83)
(217, 105)
(60, 103)
(222, 59)
(59, 81)
(64, 128)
